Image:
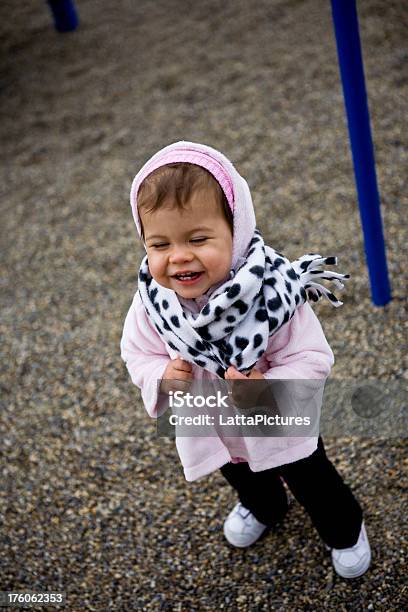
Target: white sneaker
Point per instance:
(241, 528)
(353, 562)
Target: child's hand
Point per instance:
(244, 394)
(177, 376)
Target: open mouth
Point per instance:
(188, 278)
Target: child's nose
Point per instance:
(180, 254)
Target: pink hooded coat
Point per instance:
(298, 350)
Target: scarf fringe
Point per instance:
(309, 269)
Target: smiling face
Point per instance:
(189, 250)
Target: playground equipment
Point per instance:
(355, 97)
(65, 15)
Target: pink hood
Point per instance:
(233, 184)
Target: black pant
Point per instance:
(316, 485)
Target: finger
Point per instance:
(184, 368)
(228, 374)
(183, 375)
(180, 364)
(256, 375)
(234, 374)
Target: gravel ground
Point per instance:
(92, 502)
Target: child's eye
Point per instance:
(161, 245)
(198, 240)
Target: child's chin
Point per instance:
(190, 293)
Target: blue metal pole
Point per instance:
(355, 97)
(65, 15)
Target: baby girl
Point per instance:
(213, 302)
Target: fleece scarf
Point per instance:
(234, 327)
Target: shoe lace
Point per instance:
(242, 511)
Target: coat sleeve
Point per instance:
(145, 355)
(299, 350)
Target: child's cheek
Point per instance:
(154, 266)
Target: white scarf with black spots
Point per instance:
(233, 328)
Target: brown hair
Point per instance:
(176, 183)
